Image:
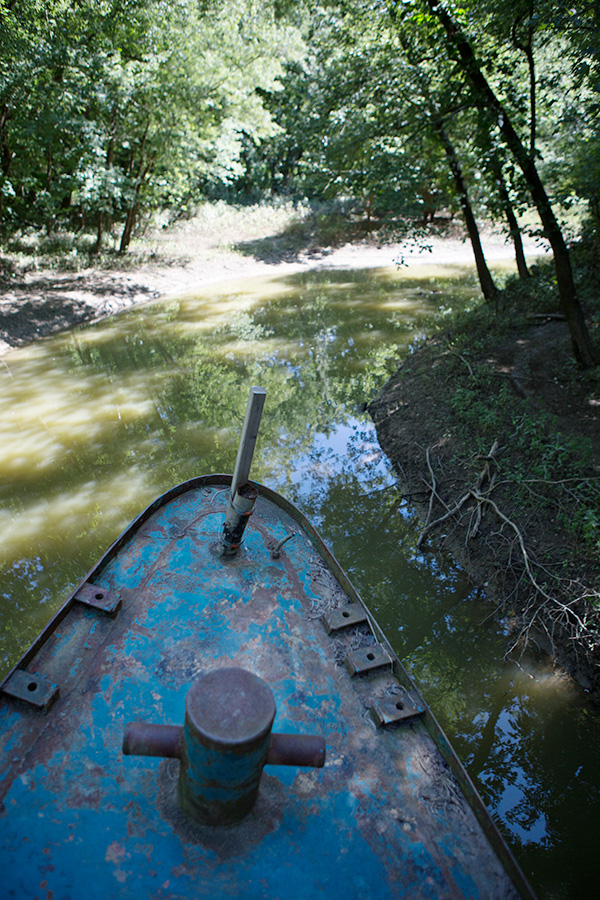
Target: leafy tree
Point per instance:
(50, 58)
(461, 48)
(484, 81)
(348, 128)
(380, 124)
(107, 109)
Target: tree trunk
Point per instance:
(486, 281)
(110, 155)
(595, 209)
(99, 234)
(527, 49)
(511, 219)
(515, 233)
(6, 155)
(132, 213)
(583, 349)
(134, 208)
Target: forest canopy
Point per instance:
(398, 109)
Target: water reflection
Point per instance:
(96, 423)
(528, 737)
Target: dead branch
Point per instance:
(467, 364)
(432, 486)
(451, 512)
(549, 614)
(484, 476)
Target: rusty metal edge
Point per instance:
(431, 724)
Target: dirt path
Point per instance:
(39, 302)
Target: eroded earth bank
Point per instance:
(495, 435)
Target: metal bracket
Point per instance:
(395, 708)
(344, 617)
(34, 689)
(366, 659)
(98, 598)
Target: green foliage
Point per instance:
(352, 120)
(540, 463)
(109, 109)
(588, 520)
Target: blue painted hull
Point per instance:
(392, 814)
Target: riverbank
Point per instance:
(495, 434)
(43, 292)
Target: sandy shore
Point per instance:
(42, 302)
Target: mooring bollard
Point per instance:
(224, 745)
(243, 493)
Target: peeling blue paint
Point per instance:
(384, 818)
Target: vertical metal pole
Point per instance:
(241, 473)
(243, 494)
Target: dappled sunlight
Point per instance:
(85, 416)
(36, 433)
(162, 387)
(201, 441)
(68, 517)
(544, 681)
(196, 324)
(105, 332)
(32, 451)
(207, 313)
(438, 272)
(241, 292)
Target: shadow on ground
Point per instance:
(48, 308)
(309, 239)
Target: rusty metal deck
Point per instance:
(392, 814)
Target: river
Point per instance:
(97, 422)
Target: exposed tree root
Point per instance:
(565, 607)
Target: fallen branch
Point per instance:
(551, 610)
(449, 514)
(484, 476)
(433, 488)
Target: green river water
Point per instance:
(97, 422)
